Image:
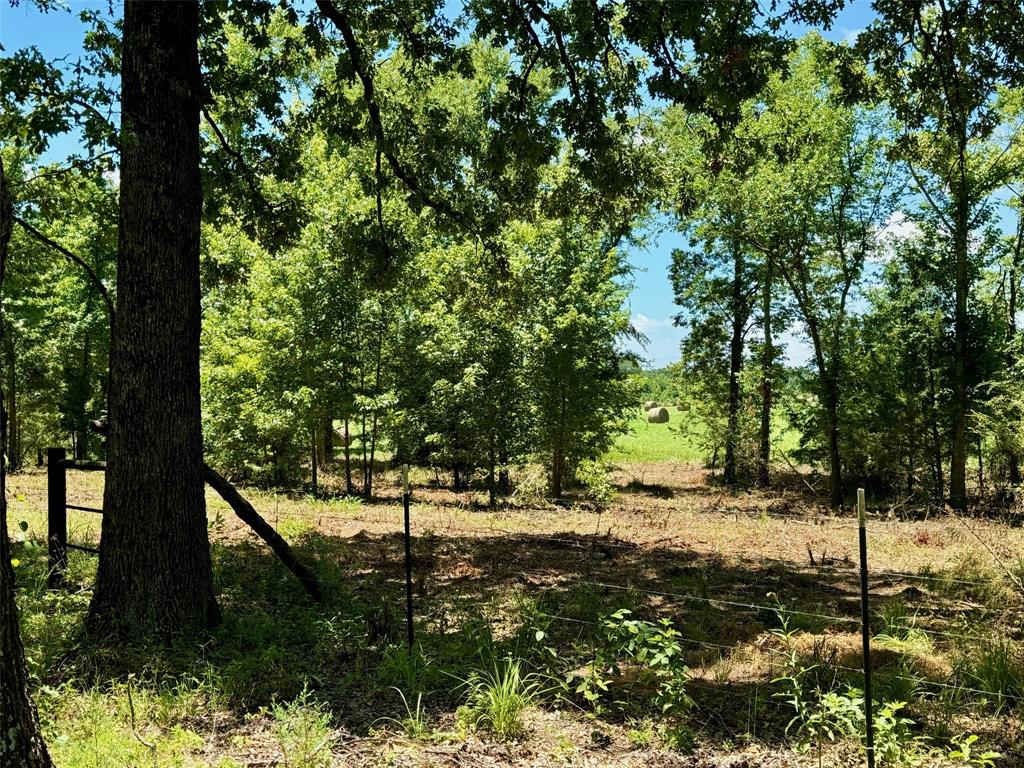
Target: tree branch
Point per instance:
(247, 172)
(340, 20)
(248, 514)
(928, 197)
(93, 277)
(563, 53)
(73, 165)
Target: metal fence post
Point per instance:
(408, 554)
(865, 620)
(56, 515)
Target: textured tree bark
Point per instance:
(21, 745)
(155, 576)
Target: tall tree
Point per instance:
(155, 575)
(716, 280)
(940, 66)
(768, 354)
(575, 366)
(20, 742)
(821, 189)
(717, 287)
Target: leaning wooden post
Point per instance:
(408, 554)
(56, 515)
(865, 620)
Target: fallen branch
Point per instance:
(248, 514)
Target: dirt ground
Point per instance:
(671, 544)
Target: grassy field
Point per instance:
(682, 439)
(677, 625)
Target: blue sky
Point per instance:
(651, 305)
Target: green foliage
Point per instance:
(964, 753)
(658, 648)
(642, 652)
(574, 365)
(594, 477)
(56, 326)
(407, 670)
(497, 699)
(829, 716)
(997, 668)
(414, 724)
(303, 732)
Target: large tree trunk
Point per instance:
(155, 576)
(21, 745)
(735, 367)
(767, 363)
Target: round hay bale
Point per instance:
(657, 415)
(650, 404)
(341, 439)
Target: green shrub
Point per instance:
(596, 480)
(407, 670)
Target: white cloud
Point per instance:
(663, 337)
(899, 227)
(645, 324)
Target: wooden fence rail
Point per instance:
(57, 465)
(57, 519)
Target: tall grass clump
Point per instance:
(997, 669)
(497, 699)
